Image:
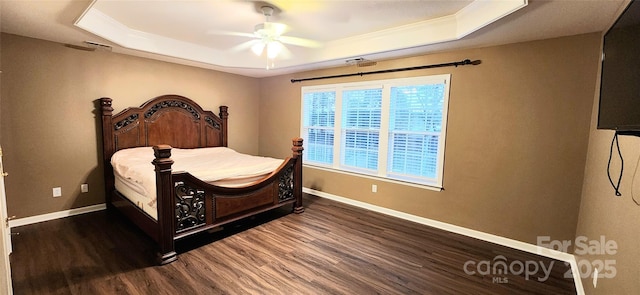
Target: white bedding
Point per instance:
(220, 166)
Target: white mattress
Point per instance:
(123, 186)
(135, 175)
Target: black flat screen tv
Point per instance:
(619, 107)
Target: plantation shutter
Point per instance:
(415, 130)
(361, 111)
(318, 126)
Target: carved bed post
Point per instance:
(224, 115)
(108, 147)
(297, 175)
(165, 203)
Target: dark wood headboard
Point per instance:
(168, 119)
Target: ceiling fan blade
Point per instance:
(300, 42)
(285, 53)
(229, 33)
(244, 45)
(279, 29)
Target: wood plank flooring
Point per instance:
(332, 248)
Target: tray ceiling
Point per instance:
(210, 33)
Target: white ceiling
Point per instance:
(210, 33)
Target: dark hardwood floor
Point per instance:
(331, 248)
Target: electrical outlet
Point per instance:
(57, 192)
(374, 188)
(84, 188)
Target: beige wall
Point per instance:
(602, 214)
(516, 144)
(49, 130)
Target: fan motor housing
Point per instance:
(269, 30)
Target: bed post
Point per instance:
(165, 203)
(108, 147)
(297, 175)
(224, 115)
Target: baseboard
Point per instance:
(56, 215)
(515, 244)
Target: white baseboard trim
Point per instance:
(56, 215)
(515, 244)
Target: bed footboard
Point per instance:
(186, 205)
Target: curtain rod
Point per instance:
(449, 64)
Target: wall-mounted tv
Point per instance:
(620, 80)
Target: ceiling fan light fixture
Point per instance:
(258, 48)
(273, 49)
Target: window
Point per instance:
(360, 131)
(319, 116)
(391, 129)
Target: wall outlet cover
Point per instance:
(57, 192)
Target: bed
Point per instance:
(184, 204)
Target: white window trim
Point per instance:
(384, 127)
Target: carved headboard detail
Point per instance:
(169, 119)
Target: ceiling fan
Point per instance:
(269, 39)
